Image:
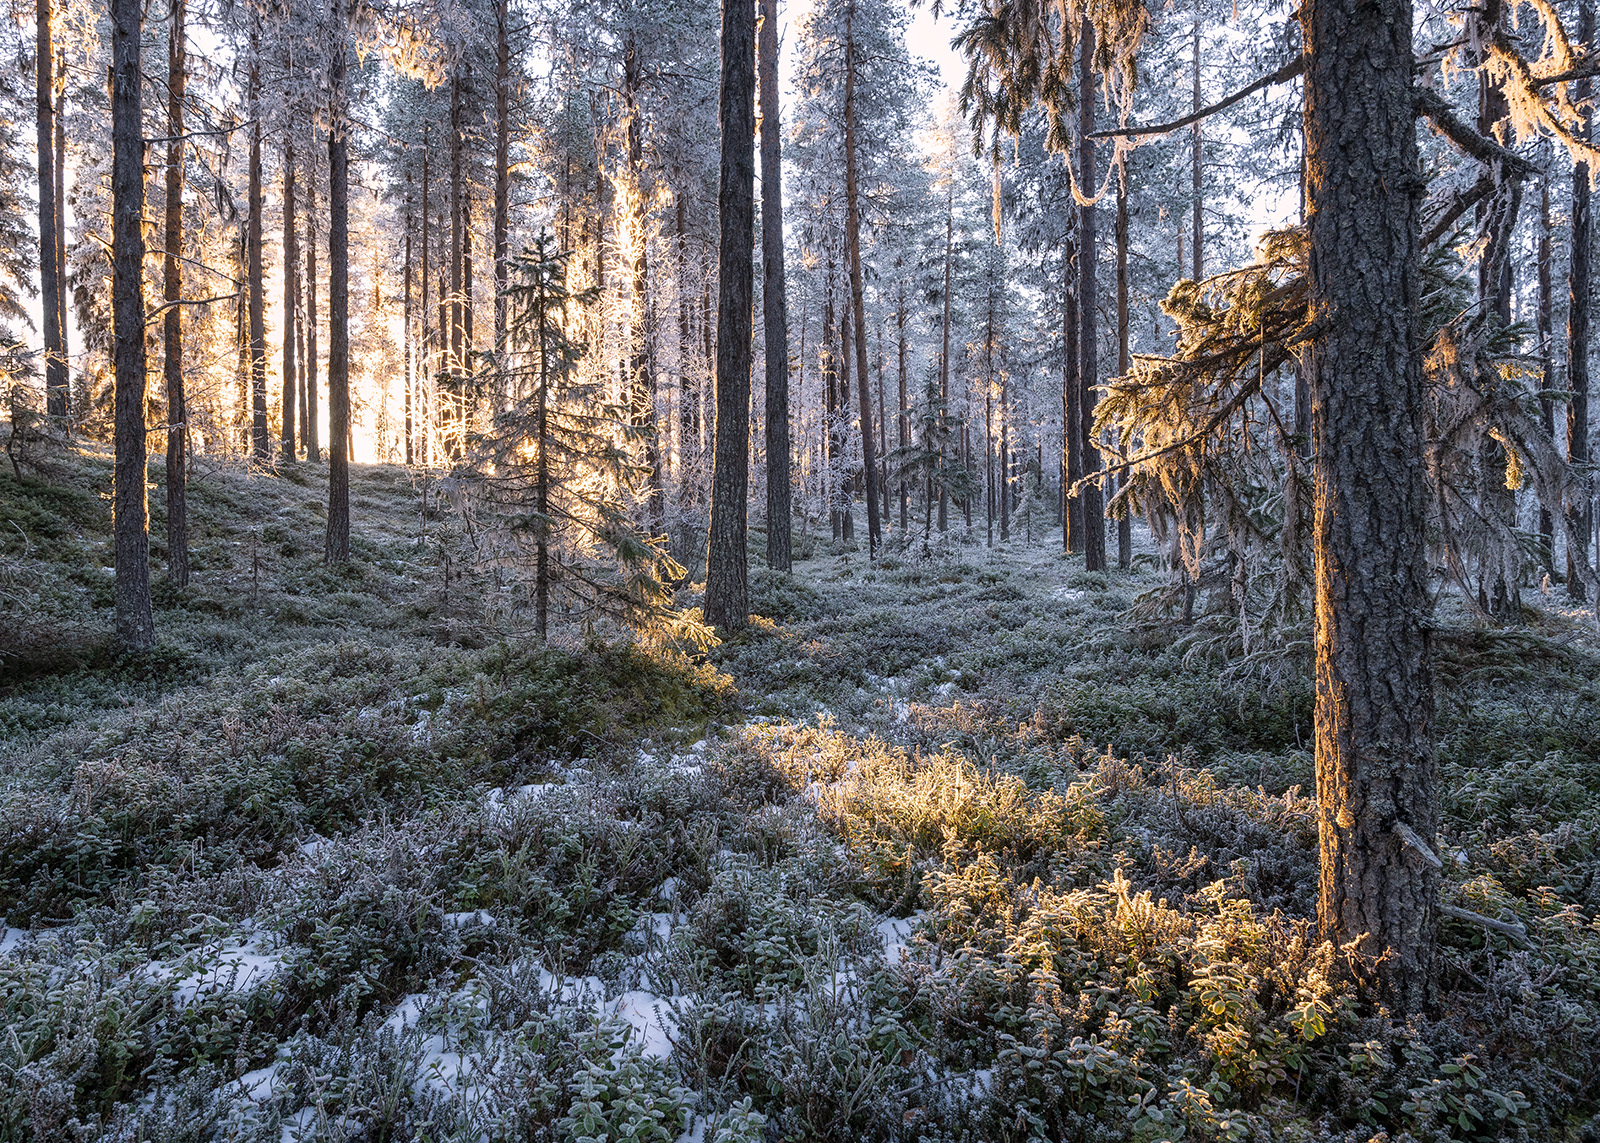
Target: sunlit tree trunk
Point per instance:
(1071, 399)
(312, 427)
(641, 394)
(337, 548)
(1124, 360)
(177, 491)
(260, 445)
(904, 421)
(135, 623)
(944, 355)
(425, 366)
(291, 289)
(774, 298)
(1197, 223)
(50, 268)
(1374, 707)
(1544, 321)
(727, 599)
(455, 348)
(847, 487)
(405, 326)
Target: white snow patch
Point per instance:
(248, 961)
(258, 1084)
(652, 1018)
(471, 917)
(10, 938)
(313, 845)
(895, 933)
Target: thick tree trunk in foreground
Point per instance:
(172, 321)
(727, 583)
(1093, 497)
(136, 628)
(502, 180)
(260, 446)
(774, 298)
(1374, 757)
(50, 268)
(337, 548)
(291, 290)
(1124, 359)
(1578, 318)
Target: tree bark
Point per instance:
(291, 290)
(502, 172)
(1579, 511)
(260, 446)
(1374, 705)
(135, 622)
(944, 358)
(177, 492)
(337, 547)
(312, 427)
(405, 325)
(1124, 359)
(1197, 223)
(1071, 400)
(852, 206)
(457, 359)
(1544, 321)
(727, 601)
(1093, 498)
(774, 298)
(50, 269)
(904, 420)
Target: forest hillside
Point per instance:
(961, 843)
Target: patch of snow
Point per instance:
(696, 1132)
(481, 917)
(258, 1084)
(10, 938)
(653, 1021)
(1068, 594)
(895, 933)
(670, 888)
(313, 845)
(246, 962)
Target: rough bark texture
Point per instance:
(502, 175)
(55, 363)
(1547, 365)
(774, 298)
(177, 492)
(1124, 359)
(337, 548)
(260, 446)
(852, 231)
(312, 427)
(1578, 318)
(727, 575)
(1197, 222)
(136, 629)
(944, 355)
(1374, 707)
(291, 290)
(1071, 401)
(1093, 498)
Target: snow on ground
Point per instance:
(249, 959)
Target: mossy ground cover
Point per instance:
(944, 847)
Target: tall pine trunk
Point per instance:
(1071, 400)
(1094, 517)
(1124, 359)
(337, 547)
(291, 290)
(1374, 704)
(260, 446)
(852, 230)
(727, 604)
(944, 360)
(1544, 321)
(50, 269)
(774, 297)
(1580, 514)
(312, 418)
(172, 322)
(502, 176)
(135, 622)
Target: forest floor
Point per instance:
(963, 843)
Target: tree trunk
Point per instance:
(541, 504)
(904, 421)
(291, 290)
(727, 603)
(1579, 511)
(405, 325)
(172, 324)
(847, 487)
(852, 231)
(1071, 400)
(774, 298)
(260, 446)
(61, 225)
(1547, 365)
(135, 622)
(457, 224)
(502, 175)
(1093, 498)
(50, 269)
(1197, 224)
(1374, 706)
(641, 395)
(337, 548)
(944, 359)
(1124, 359)
(425, 366)
(312, 428)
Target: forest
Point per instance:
(725, 572)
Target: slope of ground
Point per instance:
(945, 847)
